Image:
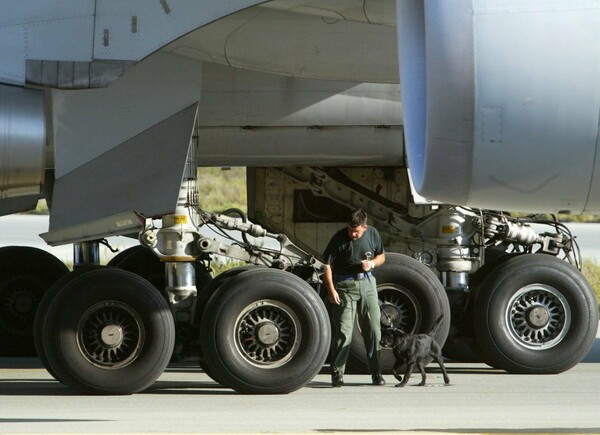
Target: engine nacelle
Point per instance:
(22, 147)
(502, 101)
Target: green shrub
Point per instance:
(591, 271)
(218, 267)
(221, 189)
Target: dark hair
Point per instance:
(357, 218)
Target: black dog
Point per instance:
(413, 350)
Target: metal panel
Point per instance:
(297, 44)
(12, 53)
(89, 123)
(18, 204)
(318, 146)
(294, 121)
(158, 23)
(142, 175)
(69, 38)
(238, 97)
(36, 11)
(34, 29)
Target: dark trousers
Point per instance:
(358, 300)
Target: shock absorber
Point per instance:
(454, 257)
(175, 242)
(451, 229)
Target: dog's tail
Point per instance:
(436, 325)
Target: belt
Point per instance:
(356, 277)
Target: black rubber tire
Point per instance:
(121, 255)
(211, 287)
(283, 302)
(418, 295)
(203, 298)
(531, 289)
(143, 262)
(26, 274)
(76, 326)
(42, 309)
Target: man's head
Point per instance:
(357, 224)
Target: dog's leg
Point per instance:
(440, 360)
(396, 375)
(421, 367)
(409, 369)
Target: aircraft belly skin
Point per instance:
(494, 99)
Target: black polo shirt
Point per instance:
(344, 255)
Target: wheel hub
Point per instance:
(268, 333)
(538, 317)
(23, 303)
(390, 315)
(111, 335)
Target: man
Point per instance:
(350, 257)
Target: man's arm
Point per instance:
(332, 293)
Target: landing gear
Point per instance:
(535, 314)
(25, 275)
(107, 331)
(265, 331)
(141, 261)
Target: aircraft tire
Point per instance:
(26, 274)
(143, 262)
(415, 298)
(535, 314)
(265, 331)
(203, 298)
(40, 314)
(108, 331)
(114, 262)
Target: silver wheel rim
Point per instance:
(267, 333)
(538, 316)
(400, 306)
(110, 335)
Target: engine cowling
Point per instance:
(502, 101)
(22, 147)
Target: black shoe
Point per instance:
(378, 379)
(337, 380)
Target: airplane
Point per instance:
(436, 117)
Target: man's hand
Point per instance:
(367, 265)
(334, 297)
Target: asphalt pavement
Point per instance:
(184, 400)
